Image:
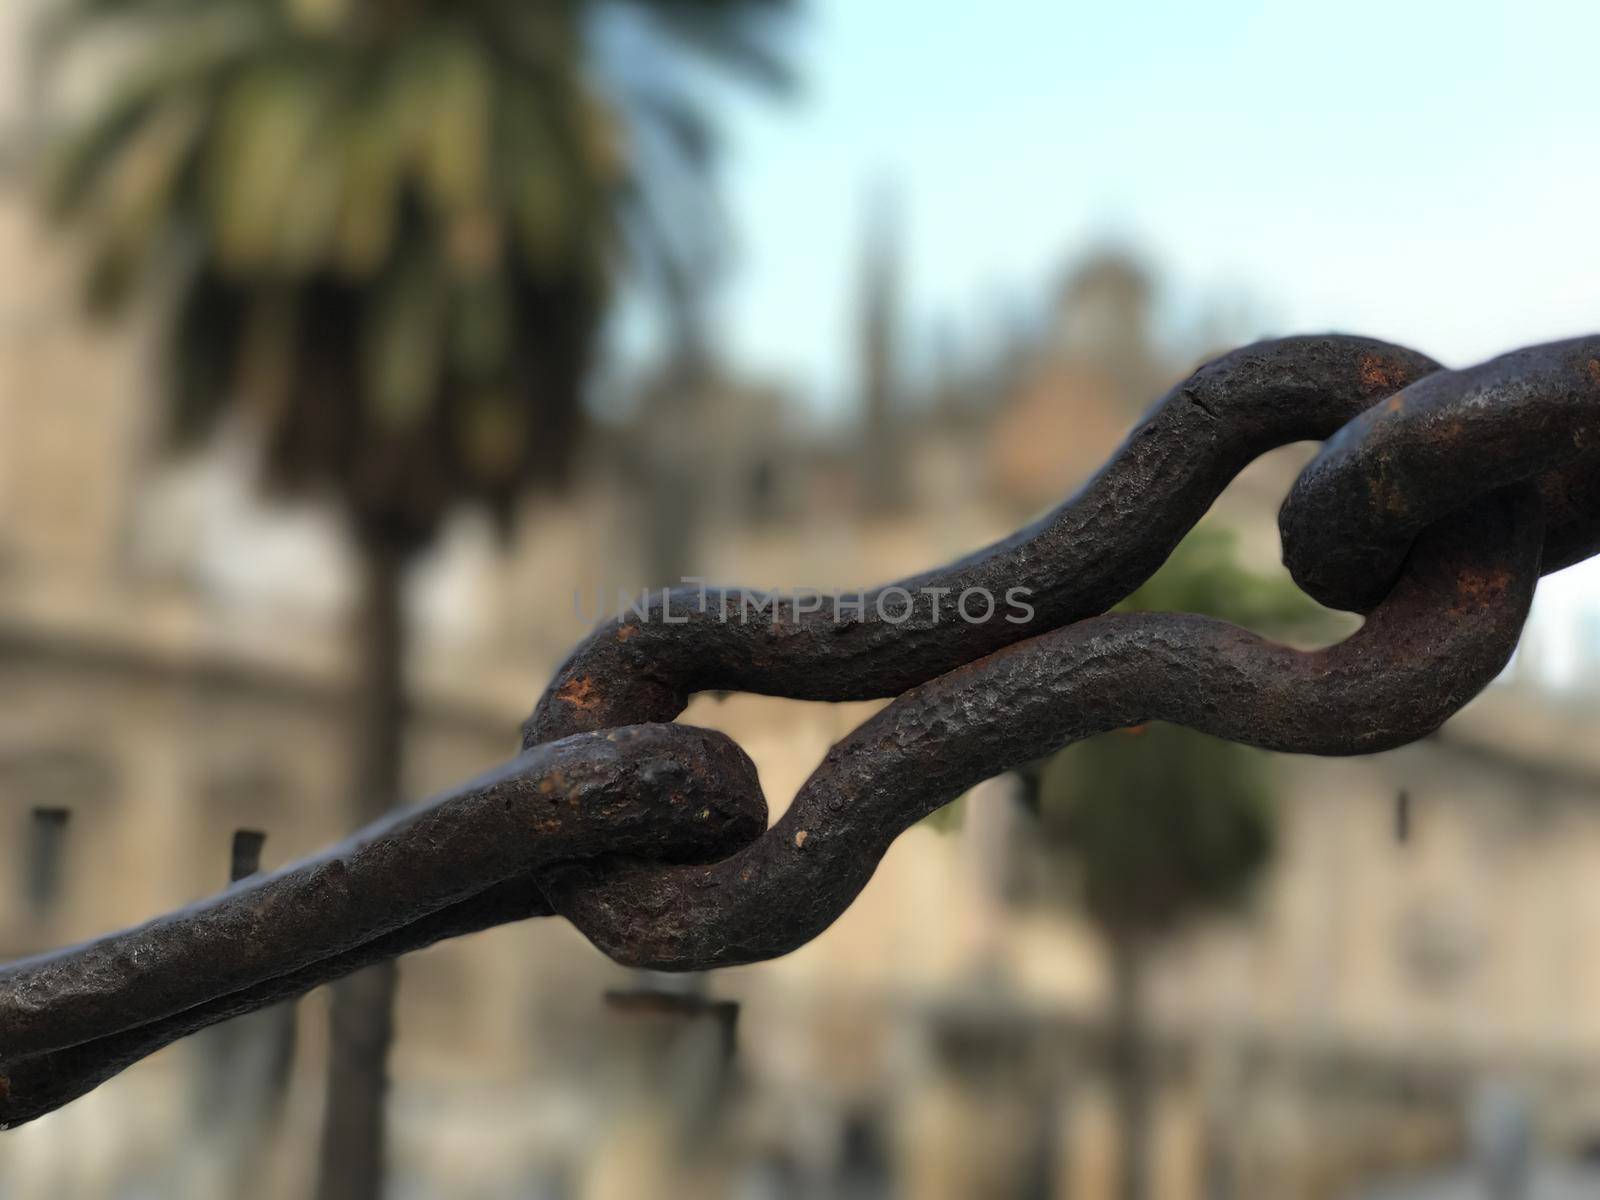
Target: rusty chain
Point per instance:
(1437, 500)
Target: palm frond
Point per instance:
(395, 227)
(742, 37)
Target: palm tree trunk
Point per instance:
(362, 1023)
(1131, 1068)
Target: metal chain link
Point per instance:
(1433, 507)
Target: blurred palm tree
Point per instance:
(1158, 825)
(386, 232)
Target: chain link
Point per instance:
(1436, 501)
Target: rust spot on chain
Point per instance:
(1474, 589)
(1379, 375)
(580, 693)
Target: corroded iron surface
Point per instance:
(1529, 416)
(1436, 502)
(1076, 561)
(454, 865)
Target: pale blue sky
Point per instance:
(1424, 172)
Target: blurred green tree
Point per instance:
(385, 233)
(1158, 825)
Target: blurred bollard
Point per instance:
(684, 1041)
(241, 1078)
(246, 859)
(669, 1058)
(865, 1171)
(1502, 1141)
(674, 1010)
(1402, 816)
(48, 831)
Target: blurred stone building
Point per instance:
(175, 661)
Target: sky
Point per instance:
(1421, 172)
(1425, 172)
